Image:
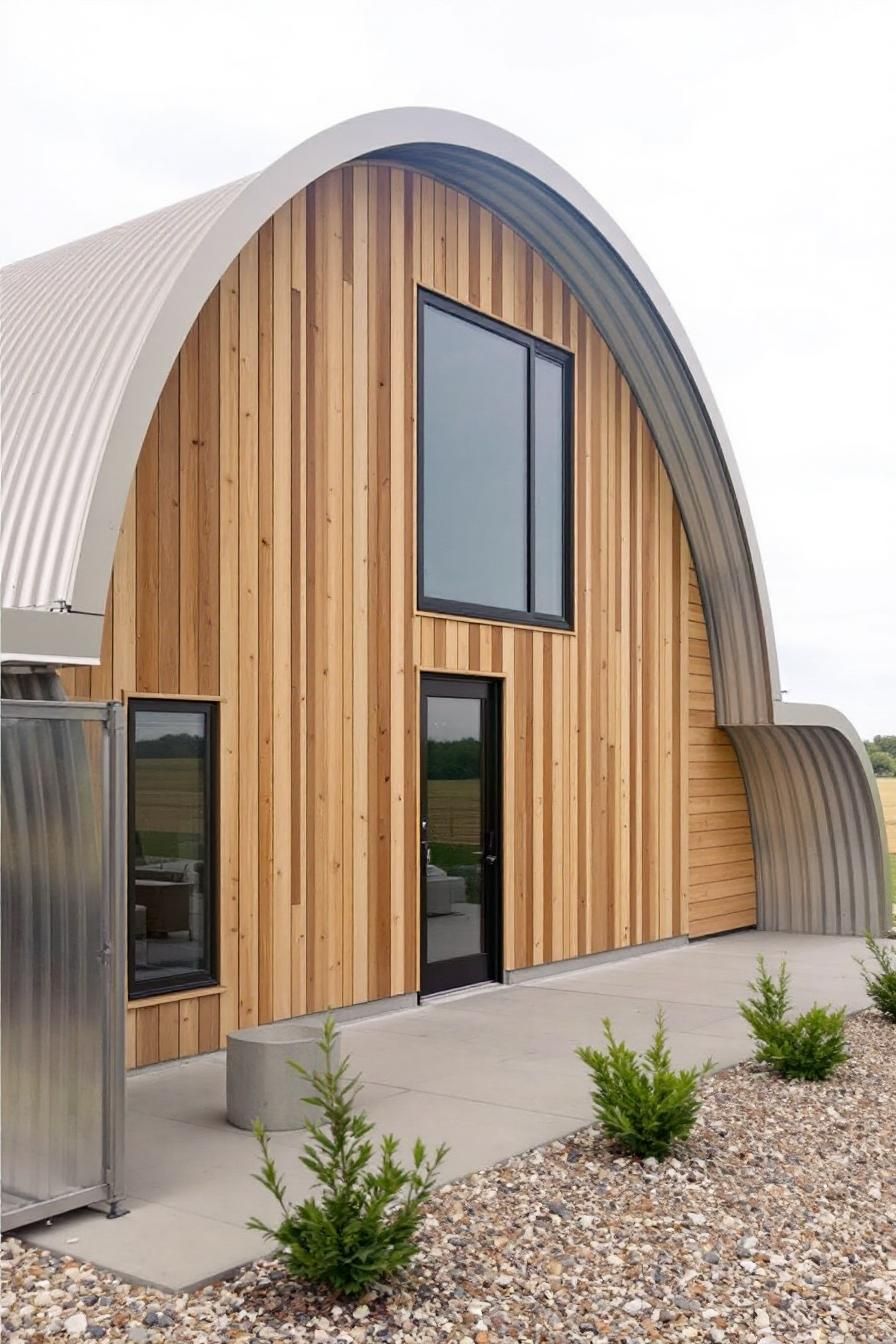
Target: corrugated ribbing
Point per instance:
(52, 914)
(819, 855)
(73, 323)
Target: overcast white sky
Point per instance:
(748, 149)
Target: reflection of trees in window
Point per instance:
(171, 745)
(453, 760)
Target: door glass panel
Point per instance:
(454, 878)
(474, 464)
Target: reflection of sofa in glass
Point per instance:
(471, 876)
(442, 890)
(165, 889)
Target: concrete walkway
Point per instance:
(491, 1072)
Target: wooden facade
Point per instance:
(267, 560)
(721, 871)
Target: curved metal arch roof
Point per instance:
(90, 331)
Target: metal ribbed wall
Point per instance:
(819, 862)
(56, 974)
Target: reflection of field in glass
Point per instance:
(453, 856)
(169, 804)
(454, 810)
(455, 830)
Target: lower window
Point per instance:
(172, 883)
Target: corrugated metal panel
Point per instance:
(74, 320)
(60, 1080)
(820, 864)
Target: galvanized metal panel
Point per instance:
(820, 863)
(62, 1084)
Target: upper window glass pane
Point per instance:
(171, 868)
(474, 464)
(548, 495)
(494, 449)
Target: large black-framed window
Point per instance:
(172, 872)
(494, 468)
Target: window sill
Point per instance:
(153, 1000)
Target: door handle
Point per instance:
(491, 858)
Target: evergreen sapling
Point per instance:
(363, 1225)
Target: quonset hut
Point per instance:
(385, 490)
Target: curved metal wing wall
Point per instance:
(80, 406)
(818, 832)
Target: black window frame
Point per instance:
(177, 981)
(536, 348)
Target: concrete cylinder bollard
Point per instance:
(260, 1083)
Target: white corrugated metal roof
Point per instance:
(73, 322)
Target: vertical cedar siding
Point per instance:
(721, 870)
(267, 557)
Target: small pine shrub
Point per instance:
(809, 1046)
(881, 985)
(644, 1105)
(363, 1226)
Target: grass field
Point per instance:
(888, 798)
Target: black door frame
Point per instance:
(441, 976)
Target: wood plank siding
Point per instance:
(721, 871)
(267, 557)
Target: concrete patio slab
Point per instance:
(154, 1244)
(491, 1072)
(478, 1133)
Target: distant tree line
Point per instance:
(882, 750)
(170, 746)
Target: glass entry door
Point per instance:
(459, 851)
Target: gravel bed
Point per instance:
(775, 1223)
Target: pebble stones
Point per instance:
(775, 1224)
